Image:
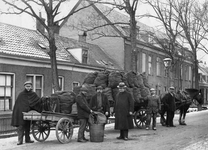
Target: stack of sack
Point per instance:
(62, 101)
(137, 84)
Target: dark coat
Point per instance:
(123, 105)
(169, 102)
(153, 104)
(26, 101)
(105, 104)
(83, 108)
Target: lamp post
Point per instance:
(167, 63)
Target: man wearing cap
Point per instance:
(169, 102)
(27, 100)
(124, 107)
(99, 102)
(153, 106)
(83, 110)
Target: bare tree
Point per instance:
(130, 8)
(52, 10)
(181, 17)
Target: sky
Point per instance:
(26, 21)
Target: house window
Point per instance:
(143, 62)
(6, 91)
(158, 67)
(37, 81)
(190, 73)
(84, 56)
(61, 82)
(181, 71)
(150, 65)
(75, 84)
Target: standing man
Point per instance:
(169, 102)
(153, 106)
(26, 101)
(124, 107)
(83, 110)
(100, 103)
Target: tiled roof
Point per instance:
(116, 16)
(24, 42)
(96, 56)
(30, 43)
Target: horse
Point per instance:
(183, 100)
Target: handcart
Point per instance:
(44, 122)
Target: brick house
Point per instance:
(115, 42)
(23, 56)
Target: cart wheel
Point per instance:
(64, 130)
(40, 130)
(140, 118)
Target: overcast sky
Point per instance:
(26, 21)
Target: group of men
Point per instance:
(124, 107)
(123, 110)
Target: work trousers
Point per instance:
(82, 127)
(169, 119)
(24, 130)
(154, 117)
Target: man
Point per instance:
(27, 100)
(124, 107)
(83, 111)
(153, 106)
(99, 102)
(169, 102)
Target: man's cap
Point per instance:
(121, 85)
(28, 82)
(152, 89)
(171, 88)
(84, 89)
(99, 87)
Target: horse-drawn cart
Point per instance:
(44, 122)
(140, 115)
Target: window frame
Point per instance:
(144, 64)
(34, 79)
(150, 65)
(62, 82)
(12, 91)
(84, 56)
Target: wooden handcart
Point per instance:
(42, 123)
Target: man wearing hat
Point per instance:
(124, 108)
(169, 102)
(153, 106)
(27, 100)
(83, 110)
(99, 102)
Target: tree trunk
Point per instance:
(133, 34)
(52, 54)
(196, 72)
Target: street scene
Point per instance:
(103, 74)
(191, 137)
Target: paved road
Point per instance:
(194, 136)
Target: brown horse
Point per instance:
(183, 100)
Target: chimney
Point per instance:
(82, 36)
(39, 26)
